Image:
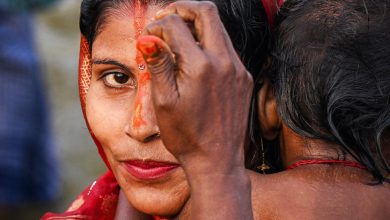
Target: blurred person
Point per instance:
(28, 164)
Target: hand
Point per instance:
(201, 90)
(201, 93)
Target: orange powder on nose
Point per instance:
(138, 120)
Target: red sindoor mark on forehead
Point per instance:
(139, 24)
(144, 78)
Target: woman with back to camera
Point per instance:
(324, 102)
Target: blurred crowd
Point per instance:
(42, 138)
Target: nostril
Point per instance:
(152, 137)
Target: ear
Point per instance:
(268, 115)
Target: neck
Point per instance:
(296, 148)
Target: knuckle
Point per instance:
(244, 77)
(170, 23)
(153, 28)
(227, 67)
(171, 19)
(165, 25)
(163, 103)
(241, 70)
(249, 80)
(204, 65)
(208, 7)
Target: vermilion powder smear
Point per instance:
(139, 24)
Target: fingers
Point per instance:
(174, 31)
(161, 65)
(209, 29)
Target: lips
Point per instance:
(149, 170)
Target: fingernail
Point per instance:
(159, 13)
(148, 47)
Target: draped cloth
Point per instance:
(100, 199)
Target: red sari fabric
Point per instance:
(99, 200)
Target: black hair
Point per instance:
(330, 70)
(244, 20)
(245, 23)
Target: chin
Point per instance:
(164, 196)
(157, 201)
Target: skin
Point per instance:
(308, 192)
(131, 134)
(312, 191)
(207, 139)
(123, 118)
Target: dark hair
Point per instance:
(330, 70)
(244, 20)
(245, 23)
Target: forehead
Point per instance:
(121, 28)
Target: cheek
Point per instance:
(107, 116)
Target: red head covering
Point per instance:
(85, 74)
(99, 200)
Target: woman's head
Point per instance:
(244, 20)
(116, 95)
(329, 71)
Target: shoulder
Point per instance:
(295, 195)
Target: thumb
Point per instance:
(161, 65)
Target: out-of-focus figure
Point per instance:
(28, 163)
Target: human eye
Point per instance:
(117, 79)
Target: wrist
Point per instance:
(220, 163)
(218, 180)
(221, 196)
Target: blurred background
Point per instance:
(72, 154)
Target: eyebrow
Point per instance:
(113, 62)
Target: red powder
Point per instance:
(139, 24)
(138, 120)
(144, 78)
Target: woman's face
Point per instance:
(121, 116)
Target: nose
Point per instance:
(143, 125)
